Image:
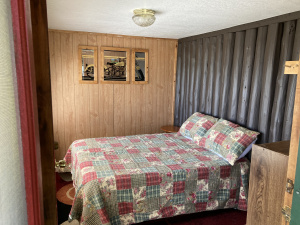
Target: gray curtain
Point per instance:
(240, 77)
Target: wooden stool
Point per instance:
(66, 194)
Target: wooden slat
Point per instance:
(191, 75)
(153, 71)
(59, 132)
(158, 81)
(237, 66)
(210, 75)
(140, 43)
(94, 96)
(173, 85)
(268, 81)
(119, 93)
(82, 100)
(226, 72)
(245, 84)
(254, 99)
(178, 85)
(217, 77)
(277, 117)
(68, 77)
(205, 52)
(182, 83)
(198, 75)
(128, 43)
(291, 67)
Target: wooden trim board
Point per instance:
(265, 22)
(95, 48)
(133, 51)
(291, 172)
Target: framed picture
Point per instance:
(140, 66)
(114, 65)
(87, 61)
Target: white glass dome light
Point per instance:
(143, 17)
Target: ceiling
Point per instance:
(174, 18)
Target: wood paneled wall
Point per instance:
(96, 110)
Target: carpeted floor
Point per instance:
(218, 217)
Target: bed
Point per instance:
(131, 179)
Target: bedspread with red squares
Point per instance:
(125, 180)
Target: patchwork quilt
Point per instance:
(131, 179)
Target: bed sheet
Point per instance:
(131, 179)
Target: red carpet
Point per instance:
(60, 182)
(218, 217)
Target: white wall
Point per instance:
(12, 189)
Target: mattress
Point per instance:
(131, 179)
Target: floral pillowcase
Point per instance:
(226, 139)
(197, 123)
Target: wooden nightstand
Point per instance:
(170, 129)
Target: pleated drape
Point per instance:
(239, 76)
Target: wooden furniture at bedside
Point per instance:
(267, 183)
(170, 129)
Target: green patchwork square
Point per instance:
(144, 165)
(140, 217)
(124, 195)
(178, 199)
(150, 170)
(189, 207)
(111, 204)
(115, 220)
(202, 196)
(130, 165)
(153, 191)
(179, 175)
(152, 204)
(192, 159)
(163, 169)
(102, 168)
(172, 152)
(223, 194)
(106, 173)
(97, 201)
(201, 131)
(140, 159)
(169, 162)
(226, 129)
(138, 180)
(100, 163)
(190, 186)
(237, 149)
(96, 154)
(121, 152)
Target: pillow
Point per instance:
(245, 152)
(227, 139)
(197, 123)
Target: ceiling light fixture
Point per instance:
(143, 17)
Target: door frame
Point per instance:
(292, 67)
(30, 30)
